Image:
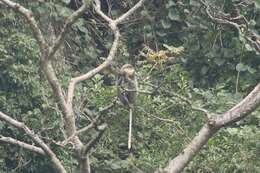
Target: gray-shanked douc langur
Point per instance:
(127, 92)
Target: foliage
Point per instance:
(216, 69)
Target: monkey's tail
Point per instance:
(130, 128)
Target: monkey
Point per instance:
(127, 92)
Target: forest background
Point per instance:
(195, 61)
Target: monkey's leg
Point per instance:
(130, 128)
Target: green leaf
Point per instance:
(166, 24)
(66, 1)
(241, 67)
(232, 131)
(115, 166)
(173, 14)
(248, 47)
(170, 4)
(257, 4)
(251, 70)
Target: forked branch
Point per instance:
(57, 163)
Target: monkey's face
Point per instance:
(128, 70)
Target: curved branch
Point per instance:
(97, 7)
(113, 26)
(70, 20)
(29, 16)
(93, 72)
(129, 12)
(57, 163)
(241, 110)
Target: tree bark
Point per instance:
(241, 110)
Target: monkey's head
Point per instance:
(127, 70)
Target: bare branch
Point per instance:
(250, 35)
(113, 26)
(182, 160)
(99, 12)
(241, 110)
(93, 72)
(129, 12)
(184, 99)
(222, 21)
(57, 163)
(92, 125)
(70, 20)
(22, 144)
(30, 18)
(84, 129)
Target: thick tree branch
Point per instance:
(46, 65)
(182, 160)
(21, 144)
(241, 110)
(57, 163)
(69, 120)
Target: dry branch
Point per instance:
(70, 20)
(113, 26)
(241, 110)
(66, 104)
(22, 144)
(57, 163)
(30, 18)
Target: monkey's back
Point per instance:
(127, 90)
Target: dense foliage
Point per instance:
(217, 68)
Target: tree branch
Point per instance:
(99, 12)
(241, 110)
(250, 35)
(113, 26)
(182, 160)
(22, 144)
(70, 20)
(30, 18)
(57, 163)
(129, 12)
